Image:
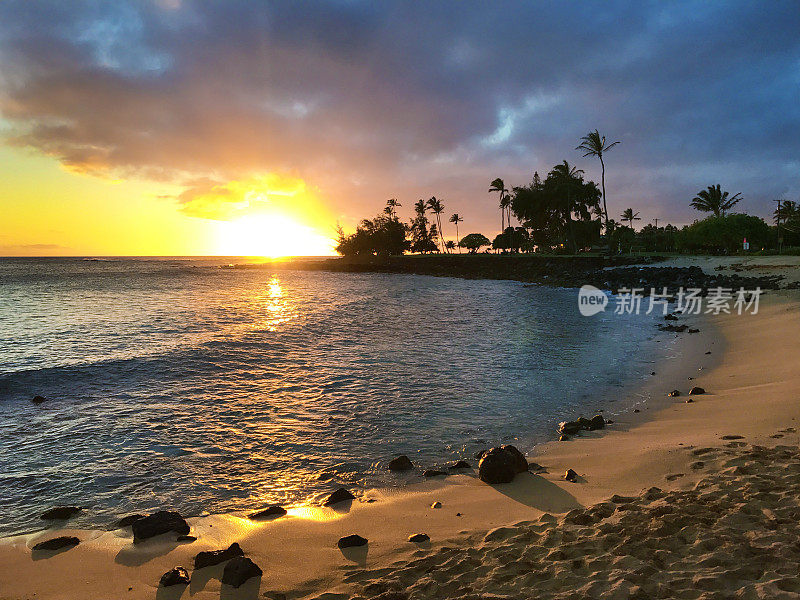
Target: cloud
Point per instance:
(366, 101)
(270, 194)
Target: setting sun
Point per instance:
(272, 236)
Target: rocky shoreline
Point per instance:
(607, 273)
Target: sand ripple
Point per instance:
(735, 535)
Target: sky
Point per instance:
(173, 127)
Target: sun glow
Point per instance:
(271, 236)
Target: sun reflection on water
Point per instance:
(278, 305)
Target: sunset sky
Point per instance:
(174, 127)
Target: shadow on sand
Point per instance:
(45, 554)
(539, 493)
(356, 554)
(247, 591)
(135, 555)
(172, 592)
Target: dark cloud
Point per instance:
(366, 101)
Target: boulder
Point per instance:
(419, 538)
(176, 576)
(401, 463)
(273, 512)
(157, 523)
(352, 541)
(597, 422)
(696, 391)
(38, 399)
(340, 495)
(571, 475)
(674, 394)
(60, 512)
(64, 541)
(436, 504)
(563, 438)
(128, 520)
(569, 427)
(462, 464)
(210, 558)
(501, 465)
(433, 473)
(584, 423)
(238, 570)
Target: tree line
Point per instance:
(566, 213)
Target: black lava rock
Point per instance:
(571, 475)
(501, 465)
(401, 463)
(238, 570)
(433, 473)
(352, 541)
(215, 557)
(696, 391)
(674, 394)
(597, 422)
(176, 576)
(569, 427)
(419, 538)
(157, 523)
(65, 541)
(129, 520)
(60, 513)
(462, 464)
(186, 538)
(273, 512)
(340, 495)
(38, 399)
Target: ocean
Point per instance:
(176, 384)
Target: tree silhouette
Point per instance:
(595, 145)
(568, 180)
(422, 239)
(505, 201)
(456, 219)
(474, 241)
(714, 200)
(391, 207)
(437, 207)
(630, 216)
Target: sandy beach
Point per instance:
(682, 500)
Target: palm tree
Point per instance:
(505, 201)
(456, 219)
(630, 216)
(787, 210)
(595, 145)
(714, 200)
(391, 207)
(568, 178)
(437, 208)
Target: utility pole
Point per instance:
(656, 220)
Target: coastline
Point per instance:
(299, 555)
